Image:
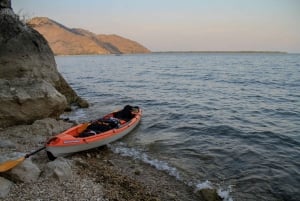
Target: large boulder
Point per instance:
(27, 172)
(25, 100)
(59, 169)
(26, 55)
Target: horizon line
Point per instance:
(225, 51)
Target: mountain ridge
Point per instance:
(76, 41)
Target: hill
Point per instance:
(71, 41)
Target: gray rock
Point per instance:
(28, 138)
(26, 172)
(209, 194)
(26, 55)
(43, 127)
(53, 126)
(5, 186)
(25, 100)
(7, 144)
(60, 168)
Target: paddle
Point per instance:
(5, 166)
(83, 127)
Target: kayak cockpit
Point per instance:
(109, 122)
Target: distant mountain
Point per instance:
(69, 41)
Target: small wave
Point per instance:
(131, 152)
(204, 185)
(223, 193)
(120, 148)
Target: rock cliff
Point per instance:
(31, 86)
(67, 41)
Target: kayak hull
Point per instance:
(67, 142)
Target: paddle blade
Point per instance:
(5, 166)
(83, 127)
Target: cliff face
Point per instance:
(67, 41)
(31, 86)
(121, 44)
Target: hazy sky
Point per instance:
(181, 25)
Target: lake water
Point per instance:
(228, 121)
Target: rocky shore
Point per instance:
(97, 174)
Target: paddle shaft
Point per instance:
(34, 152)
(5, 166)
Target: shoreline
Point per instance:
(100, 174)
(125, 178)
(225, 52)
(97, 174)
(183, 52)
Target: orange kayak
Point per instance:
(94, 134)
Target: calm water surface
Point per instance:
(230, 121)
